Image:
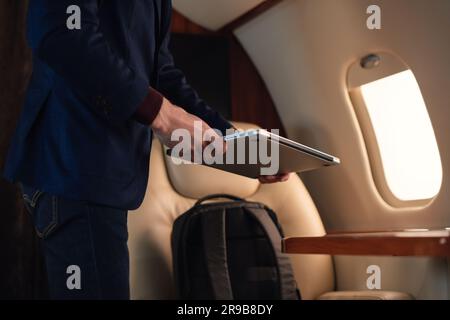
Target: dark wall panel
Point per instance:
(21, 267)
(250, 100)
(204, 60)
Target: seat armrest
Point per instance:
(365, 295)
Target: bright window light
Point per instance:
(405, 136)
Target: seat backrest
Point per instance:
(173, 189)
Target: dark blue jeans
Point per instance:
(84, 245)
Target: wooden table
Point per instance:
(434, 243)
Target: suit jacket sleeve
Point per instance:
(174, 86)
(83, 58)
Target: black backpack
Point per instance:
(231, 250)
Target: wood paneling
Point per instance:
(246, 17)
(250, 99)
(21, 266)
(180, 24)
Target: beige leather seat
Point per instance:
(173, 189)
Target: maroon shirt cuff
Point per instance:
(149, 109)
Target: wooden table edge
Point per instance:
(370, 245)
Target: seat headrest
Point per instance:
(196, 181)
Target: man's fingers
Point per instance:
(274, 179)
(267, 179)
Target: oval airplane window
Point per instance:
(401, 138)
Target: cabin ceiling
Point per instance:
(214, 14)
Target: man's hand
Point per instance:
(171, 117)
(282, 177)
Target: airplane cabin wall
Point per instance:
(303, 49)
(214, 14)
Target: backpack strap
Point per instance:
(218, 196)
(288, 289)
(179, 256)
(215, 246)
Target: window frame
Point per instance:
(356, 78)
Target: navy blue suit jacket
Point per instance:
(77, 136)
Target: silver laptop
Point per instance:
(245, 147)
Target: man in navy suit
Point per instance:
(82, 146)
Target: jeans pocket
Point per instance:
(43, 209)
(30, 198)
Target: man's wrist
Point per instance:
(150, 107)
(161, 123)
